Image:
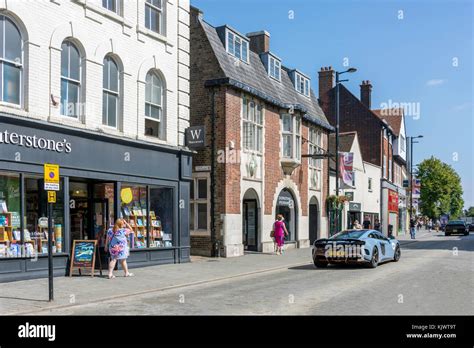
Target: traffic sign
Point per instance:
(51, 196)
(51, 177)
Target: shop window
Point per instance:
(10, 237)
(162, 205)
(36, 210)
(133, 209)
(11, 62)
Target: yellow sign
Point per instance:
(51, 177)
(51, 196)
(126, 195)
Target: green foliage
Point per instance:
(469, 212)
(441, 190)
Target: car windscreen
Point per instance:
(456, 222)
(349, 234)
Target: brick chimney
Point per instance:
(259, 41)
(327, 79)
(365, 93)
(196, 15)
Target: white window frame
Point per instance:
(384, 166)
(274, 68)
(369, 185)
(77, 82)
(250, 120)
(161, 121)
(295, 137)
(231, 37)
(196, 201)
(315, 144)
(118, 6)
(161, 11)
(302, 84)
(116, 93)
(21, 65)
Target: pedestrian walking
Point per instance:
(412, 228)
(377, 225)
(117, 245)
(280, 231)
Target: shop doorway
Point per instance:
(250, 221)
(313, 220)
(352, 216)
(286, 206)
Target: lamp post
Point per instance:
(411, 172)
(338, 82)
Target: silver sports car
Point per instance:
(356, 246)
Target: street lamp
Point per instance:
(338, 82)
(411, 172)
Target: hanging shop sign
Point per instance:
(349, 196)
(354, 206)
(346, 161)
(195, 137)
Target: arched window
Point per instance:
(111, 92)
(70, 79)
(11, 61)
(154, 119)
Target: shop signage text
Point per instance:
(354, 206)
(392, 201)
(195, 137)
(35, 142)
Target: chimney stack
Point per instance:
(327, 79)
(365, 93)
(259, 41)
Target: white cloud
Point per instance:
(435, 82)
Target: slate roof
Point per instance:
(394, 118)
(253, 78)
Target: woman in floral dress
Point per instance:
(117, 244)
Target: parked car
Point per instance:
(456, 226)
(356, 246)
(471, 227)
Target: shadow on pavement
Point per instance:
(464, 243)
(22, 299)
(311, 267)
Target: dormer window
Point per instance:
(237, 46)
(274, 68)
(302, 84)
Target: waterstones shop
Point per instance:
(102, 178)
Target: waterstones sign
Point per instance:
(35, 142)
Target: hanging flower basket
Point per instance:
(336, 202)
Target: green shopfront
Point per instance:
(102, 178)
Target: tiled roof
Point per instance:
(253, 78)
(394, 118)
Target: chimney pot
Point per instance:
(366, 93)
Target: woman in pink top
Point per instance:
(280, 231)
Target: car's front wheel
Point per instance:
(446, 234)
(374, 261)
(397, 254)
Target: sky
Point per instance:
(418, 52)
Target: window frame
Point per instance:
(315, 145)
(117, 93)
(302, 84)
(369, 185)
(276, 67)
(243, 43)
(161, 121)
(20, 66)
(118, 6)
(149, 5)
(294, 134)
(251, 119)
(194, 201)
(73, 81)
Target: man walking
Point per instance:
(413, 228)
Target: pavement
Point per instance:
(434, 276)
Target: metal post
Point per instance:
(50, 251)
(336, 215)
(411, 178)
(214, 240)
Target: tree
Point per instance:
(469, 212)
(441, 190)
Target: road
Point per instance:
(435, 276)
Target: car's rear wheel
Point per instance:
(320, 264)
(374, 261)
(397, 254)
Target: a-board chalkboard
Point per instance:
(83, 255)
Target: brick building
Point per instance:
(100, 88)
(380, 144)
(260, 118)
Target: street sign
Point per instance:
(349, 196)
(51, 196)
(51, 177)
(406, 183)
